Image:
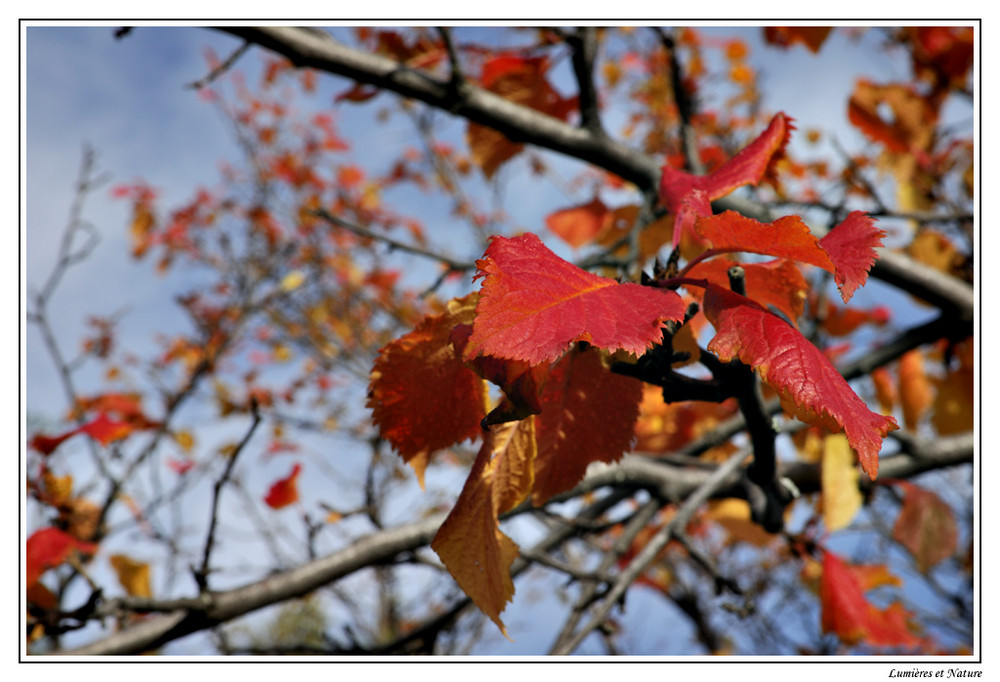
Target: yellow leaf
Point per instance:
(184, 439)
(293, 280)
(133, 575)
(839, 480)
(469, 542)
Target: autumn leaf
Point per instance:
(588, 415)
(851, 246)
(103, 429)
(689, 196)
(422, 396)
(734, 516)
(578, 225)
(925, 526)
(812, 37)
(777, 283)
(521, 80)
(839, 482)
(284, 491)
(847, 613)
(520, 382)
(49, 547)
(915, 391)
(132, 575)
(796, 369)
(533, 305)
(474, 550)
(847, 251)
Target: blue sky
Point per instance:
(127, 99)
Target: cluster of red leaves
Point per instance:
(542, 330)
(118, 415)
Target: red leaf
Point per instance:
(533, 305)
(925, 526)
(847, 251)
(284, 491)
(49, 547)
(588, 415)
(520, 382)
(786, 237)
(848, 613)
(786, 36)
(423, 398)
(851, 247)
(578, 225)
(688, 196)
(796, 369)
(105, 430)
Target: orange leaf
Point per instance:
(848, 613)
(50, 547)
(588, 415)
(284, 491)
(896, 115)
(132, 575)
(796, 369)
(925, 526)
(578, 225)
(521, 80)
(422, 397)
(885, 389)
(777, 283)
(474, 550)
(916, 394)
(533, 305)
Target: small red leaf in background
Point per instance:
(422, 396)
(471, 546)
(533, 305)
(50, 547)
(284, 491)
(106, 430)
(845, 320)
(521, 80)
(578, 225)
(688, 196)
(925, 526)
(812, 37)
(848, 613)
(103, 429)
(851, 247)
(588, 415)
(180, 466)
(796, 369)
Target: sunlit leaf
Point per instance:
(533, 305)
(796, 369)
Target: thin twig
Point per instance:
(201, 575)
